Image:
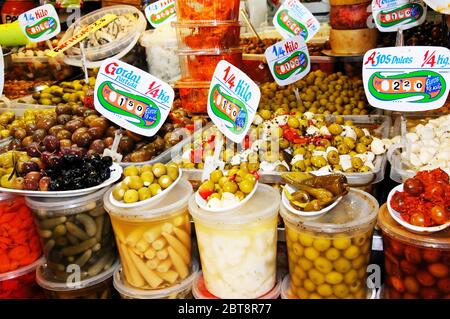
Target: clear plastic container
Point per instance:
(160, 47)
(74, 232)
(200, 292)
(97, 287)
(349, 17)
(21, 283)
(286, 292)
(39, 69)
(182, 290)
(416, 265)
(193, 95)
(328, 255)
(20, 245)
(207, 10)
(238, 248)
(199, 65)
(155, 240)
(219, 35)
(116, 48)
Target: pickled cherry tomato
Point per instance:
(397, 283)
(431, 255)
(397, 248)
(438, 270)
(411, 285)
(412, 255)
(410, 296)
(408, 267)
(413, 186)
(429, 293)
(444, 285)
(438, 215)
(393, 294)
(417, 219)
(425, 278)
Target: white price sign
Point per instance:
(161, 12)
(292, 18)
(132, 98)
(288, 60)
(407, 78)
(390, 15)
(232, 101)
(40, 24)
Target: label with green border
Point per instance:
(40, 23)
(161, 12)
(389, 16)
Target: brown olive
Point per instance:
(20, 133)
(80, 110)
(96, 132)
(63, 134)
(100, 122)
(63, 119)
(63, 109)
(159, 143)
(39, 135)
(45, 122)
(126, 145)
(98, 146)
(72, 125)
(140, 156)
(65, 143)
(83, 140)
(27, 140)
(88, 119)
(30, 128)
(110, 131)
(55, 129)
(108, 141)
(89, 112)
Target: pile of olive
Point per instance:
(255, 46)
(427, 34)
(318, 93)
(144, 182)
(10, 123)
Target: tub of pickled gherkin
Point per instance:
(238, 247)
(74, 232)
(99, 286)
(154, 241)
(328, 255)
(182, 290)
(417, 265)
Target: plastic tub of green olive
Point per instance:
(75, 231)
(354, 179)
(97, 287)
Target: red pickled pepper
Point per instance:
(19, 240)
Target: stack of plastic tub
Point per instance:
(208, 31)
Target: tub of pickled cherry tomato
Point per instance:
(20, 243)
(96, 287)
(193, 95)
(328, 255)
(207, 10)
(417, 266)
(199, 65)
(21, 283)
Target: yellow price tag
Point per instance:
(82, 34)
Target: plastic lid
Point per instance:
(22, 271)
(176, 198)
(4, 196)
(200, 292)
(186, 84)
(388, 225)
(42, 273)
(264, 203)
(115, 47)
(66, 205)
(164, 293)
(206, 23)
(357, 209)
(215, 51)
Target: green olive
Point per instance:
(144, 193)
(361, 148)
(284, 143)
(350, 142)
(359, 132)
(338, 139)
(253, 166)
(335, 129)
(365, 169)
(131, 196)
(222, 181)
(246, 186)
(147, 177)
(367, 140)
(215, 176)
(165, 181)
(118, 193)
(357, 163)
(159, 170)
(293, 122)
(230, 187)
(265, 114)
(135, 182)
(173, 171)
(155, 189)
(343, 149)
(318, 161)
(333, 157)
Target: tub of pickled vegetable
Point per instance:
(417, 266)
(75, 233)
(238, 247)
(154, 241)
(328, 255)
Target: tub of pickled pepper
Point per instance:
(193, 95)
(196, 35)
(75, 231)
(19, 241)
(21, 283)
(207, 10)
(154, 241)
(417, 265)
(99, 286)
(199, 65)
(182, 290)
(328, 255)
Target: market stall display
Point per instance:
(207, 10)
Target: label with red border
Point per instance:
(390, 15)
(288, 60)
(407, 78)
(292, 18)
(233, 100)
(40, 24)
(161, 13)
(132, 98)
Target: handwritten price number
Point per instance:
(153, 89)
(278, 51)
(429, 58)
(229, 78)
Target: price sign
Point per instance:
(288, 60)
(161, 12)
(292, 18)
(40, 24)
(2, 71)
(232, 101)
(132, 98)
(441, 6)
(390, 15)
(407, 78)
